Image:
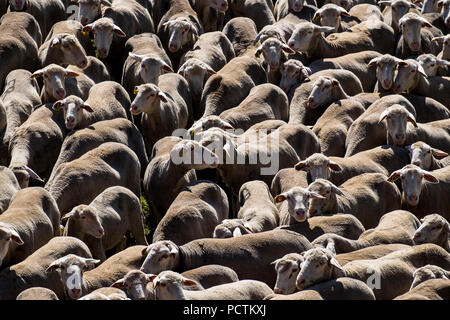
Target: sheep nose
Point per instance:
(417, 235)
(83, 21)
(173, 47)
(387, 83)
(301, 281)
(277, 291)
(60, 93)
(416, 163)
(102, 52)
(291, 44)
(83, 64)
(133, 108)
(412, 198)
(76, 292)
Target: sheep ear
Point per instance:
(344, 12)
(33, 174)
(438, 153)
(55, 265)
(88, 28)
(324, 29)
(136, 56)
(119, 283)
(57, 105)
(280, 198)
(334, 166)
(273, 263)
(181, 71)
(394, 176)
(106, 3)
(386, 3)
(258, 36)
(69, 215)
(117, 31)
(337, 267)
(412, 119)
(258, 51)
(316, 16)
(237, 232)
(16, 237)
(166, 67)
(337, 190)
(287, 49)
(72, 74)
(421, 71)
(55, 42)
(209, 69)
(438, 39)
(383, 115)
(334, 82)
(189, 282)
(194, 34)
(442, 62)
(448, 227)
(302, 165)
(314, 195)
(90, 263)
(228, 149)
(430, 178)
(144, 251)
(37, 74)
(162, 96)
(87, 107)
(374, 62)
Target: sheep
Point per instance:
(385, 66)
(281, 30)
(210, 53)
(20, 97)
(287, 268)
(339, 289)
(332, 127)
(241, 254)
(211, 13)
(146, 60)
(286, 179)
(103, 223)
(412, 78)
(372, 252)
(95, 70)
(260, 11)
(195, 212)
(241, 32)
(321, 265)
(428, 272)
(228, 87)
(78, 142)
(431, 64)
(346, 225)
(37, 293)
(303, 11)
(106, 293)
(34, 146)
(85, 277)
(109, 164)
(426, 157)
(383, 159)
(368, 190)
(293, 72)
(211, 275)
(169, 286)
(433, 229)
(135, 283)
(9, 186)
(32, 271)
(164, 178)
(107, 100)
(339, 84)
(70, 27)
(436, 132)
(63, 48)
(395, 10)
(434, 289)
(60, 82)
(165, 107)
(179, 29)
(366, 11)
(368, 35)
(257, 213)
(91, 10)
(429, 6)
(445, 53)
(46, 13)
(422, 190)
(30, 221)
(414, 38)
(395, 227)
(265, 101)
(329, 15)
(357, 62)
(21, 38)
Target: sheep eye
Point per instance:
(83, 217)
(294, 270)
(432, 65)
(63, 268)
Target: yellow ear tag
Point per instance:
(135, 91)
(85, 33)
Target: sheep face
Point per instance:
(445, 40)
(169, 285)
(408, 74)
(230, 228)
(72, 107)
(433, 228)
(431, 64)
(428, 272)
(148, 99)
(296, 5)
(54, 78)
(104, 30)
(150, 67)
(17, 5)
(135, 283)
(87, 219)
(330, 15)
(23, 174)
(399, 9)
(71, 49)
(322, 92)
(272, 52)
(193, 155)
(327, 191)
(410, 26)
(220, 5)
(71, 269)
(412, 180)
(287, 269)
(292, 73)
(182, 32)
(7, 237)
(196, 73)
(397, 118)
(386, 66)
(319, 265)
(318, 166)
(160, 256)
(422, 154)
(298, 202)
(445, 11)
(89, 10)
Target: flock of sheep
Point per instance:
(100, 98)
